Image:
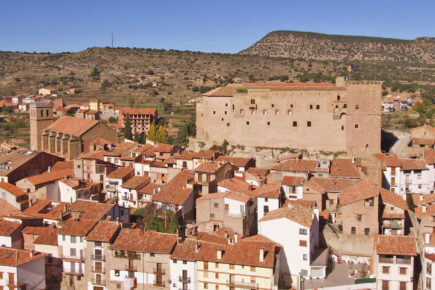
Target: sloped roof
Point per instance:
(413, 164)
(148, 241)
(235, 184)
(120, 172)
(359, 191)
(392, 199)
(77, 228)
(299, 165)
(176, 192)
(72, 126)
(293, 180)
(136, 182)
(91, 210)
(396, 245)
(12, 189)
(7, 228)
(104, 231)
(343, 168)
(270, 190)
(236, 161)
(14, 257)
(429, 156)
(296, 212)
(49, 177)
(209, 167)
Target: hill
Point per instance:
(317, 46)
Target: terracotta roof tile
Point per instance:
(420, 199)
(100, 141)
(205, 154)
(14, 257)
(77, 228)
(236, 161)
(239, 196)
(235, 184)
(104, 231)
(49, 177)
(48, 238)
(46, 209)
(136, 182)
(270, 190)
(413, 164)
(293, 180)
(138, 111)
(429, 156)
(148, 241)
(91, 210)
(165, 148)
(396, 245)
(298, 165)
(425, 210)
(150, 188)
(176, 192)
(359, 191)
(121, 173)
(12, 189)
(7, 228)
(209, 167)
(72, 126)
(185, 155)
(392, 199)
(298, 213)
(343, 168)
(423, 141)
(333, 184)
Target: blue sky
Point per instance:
(199, 25)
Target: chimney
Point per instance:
(49, 168)
(261, 254)
(108, 218)
(423, 208)
(219, 253)
(426, 238)
(197, 247)
(117, 220)
(421, 197)
(236, 238)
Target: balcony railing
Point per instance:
(403, 261)
(389, 260)
(73, 272)
(98, 270)
(184, 279)
(237, 284)
(159, 271)
(99, 257)
(100, 282)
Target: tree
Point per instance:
(136, 136)
(127, 128)
(131, 101)
(161, 135)
(152, 132)
(112, 120)
(95, 73)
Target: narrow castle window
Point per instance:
(226, 104)
(214, 112)
(356, 126)
(338, 98)
(295, 123)
(252, 101)
(42, 113)
(344, 106)
(225, 112)
(264, 112)
(228, 124)
(308, 123)
(273, 105)
(241, 111)
(222, 119)
(46, 112)
(342, 128)
(317, 107)
(277, 112)
(247, 122)
(268, 123)
(356, 107)
(311, 107)
(291, 105)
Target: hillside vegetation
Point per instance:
(317, 46)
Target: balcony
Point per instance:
(184, 279)
(73, 273)
(235, 215)
(131, 268)
(159, 271)
(99, 257)
(100, 282)
(236, 284)
(406, 260)
(389, 260)
(99, 270)
(392, 224)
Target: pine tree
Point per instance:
(161, 135)
(127, 128)
(136, 136)
(152, 132)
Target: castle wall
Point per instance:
(312, 118)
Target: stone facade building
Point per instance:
(68, 137)
(140, 118)
(322, 117)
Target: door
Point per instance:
(98, 254)
(11, 277)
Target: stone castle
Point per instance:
(345, 117)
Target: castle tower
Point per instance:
(41, 116)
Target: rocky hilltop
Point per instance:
(317, 46)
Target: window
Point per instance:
(72, 252)
(98, 244)
(385, 270)
(116, 273)
(331, 202)
(252, 269)
(429, 268)
(214, 112)
(302, 231)
(266, 209)
(295, 124)
(217, 275)
(252, 280)
(252, 101)
(342, 128)
(212, 215)
(247, 122)
(63, 238)
(1, 275)
(184, 262)
(232, 266)
(356, 126)
(304, 257)
(174, 261)
(308, 123)
(393, 170)
(366, 231)
(353, 230)
(228, 124)
(225, 112)
(402, 271)
(402, 286)
(205, 265)
(338, 98)
(268, 123)
(73, 239)
(205, 285)
(216, 205)
(359, 217)
(152, 255)
(385, 285)
(216, 265)
(356, 107)
(344, 106)
(302, 243)
(317, 107)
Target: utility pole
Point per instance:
(112, 39)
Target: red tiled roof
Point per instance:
(239, 196)
(149, 188)
(343, 168)
(293, 180)
(413, 164)
(77, 228)
(72, 126)
(12, 189)
(270, 190)
(429, 156)
(138, 111)
(7, 228)
(389, 160)
(395, 245)
(359, 191)
(104, 231)
(49, 177)
(48, 238)
(46, 209)
(298, 165)
(235, 184)
(296, 212)
(205, 154)
(120, 172)
(100, 141)
(14, 257)
(209, 167)
(140, 241)
(423, 141)
(91, 210)
(423, 198)
(333, 184)
(165, 148)
(392, 199)
(176, 192)
(136, 182)
(236, 161)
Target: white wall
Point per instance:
(176, 268)
(273, 204)
(67, 193)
